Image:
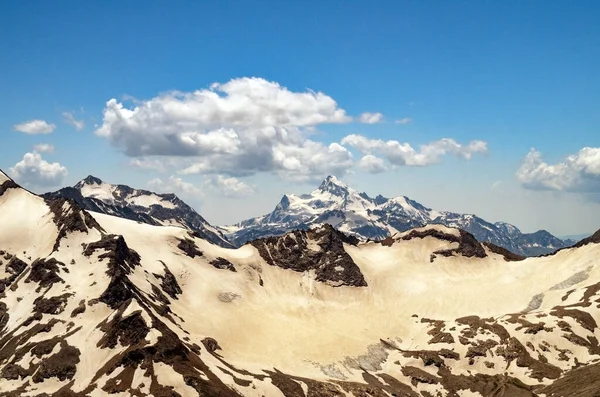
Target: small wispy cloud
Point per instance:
(34, 127)
(496, 186)
(405, 120)
(370, 118)
(230, 187)
(69, 118)
(44, 148)
(174, 185)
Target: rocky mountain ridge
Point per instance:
(376, 218)
(139, 205)
(94, 304)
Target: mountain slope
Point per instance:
(144, 206)
(93, 304)
(377, 218)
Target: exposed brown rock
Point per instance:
(222, 263)
(514, 350)
(480, 348)
(436, 332)
(477, 323)
(508, 255)
(330, 261)
(467, 244)
(45, 273)
(127, 331)
(61, 365)
(580, 382)
(432, 357)
(486, 385)
(417, 376)
(169, 283)
(122, 260)
(387, 242)
(53, 305)
(189, 248)
(15, 267)
(79, 309)
(583, 318)
(211, 344)
(70, 217)
(7, 185)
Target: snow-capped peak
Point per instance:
(90, 180)
(360, 215)
(141, 205)
(334, 186)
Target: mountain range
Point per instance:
(93, 304)
(139, 205)
(378, 217)
(333, 202)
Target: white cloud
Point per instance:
(148, 164)
(496, 186)
(44, 148)
(34, 170)
(35, 127)
(174, 185)
(370, 118)
(404, 154)
(244, 126)
(372, 164)
(230, 187)
(405, 120)
(577, 173)
(70, 119)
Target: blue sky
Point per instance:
(515, 75)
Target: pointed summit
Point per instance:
(334, 186)
(87, 181)
(92, 180)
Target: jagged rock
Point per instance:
(320, 250)
(122, 260)
(189, 248)
(139, 205)
(222, 263)
(375, 219)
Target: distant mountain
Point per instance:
(376, 218)
(575, 237)
(139, 205)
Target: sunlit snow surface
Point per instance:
(275, 318)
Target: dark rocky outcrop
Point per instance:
(508, 256)
(211, 344)
(62, 365)
(189, 247)
(169, 283)
(79, 309)
(121, 261)
(45, 272)
(127, 331)
(467, 244)
(320, 249)
(155, 214)
(53, 305)
(15, 267)
(70, 217)
(7, 185)
(222, 263)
